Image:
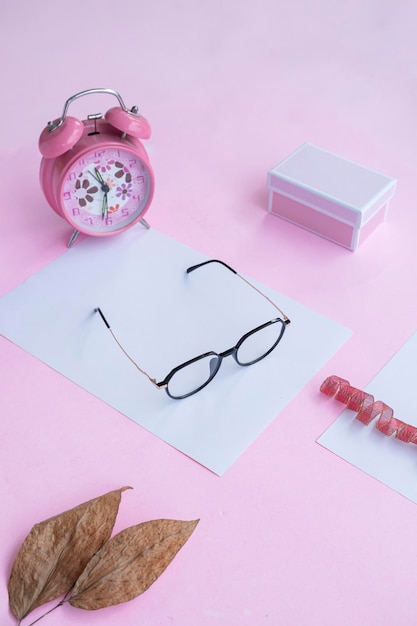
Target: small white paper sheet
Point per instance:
(163, 317)
(389, 460)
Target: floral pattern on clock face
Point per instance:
(106, 190)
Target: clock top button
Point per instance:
(56, 140)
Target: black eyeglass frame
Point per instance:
(164, 384)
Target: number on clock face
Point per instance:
(106, 190)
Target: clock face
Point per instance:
(106, 190)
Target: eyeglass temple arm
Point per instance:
(152, 380)
(194, 267)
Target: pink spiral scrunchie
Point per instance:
(367, 409)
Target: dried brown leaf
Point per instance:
(129, 563)
(57, 550)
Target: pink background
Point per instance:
(291, 535)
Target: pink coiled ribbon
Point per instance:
(367, 409)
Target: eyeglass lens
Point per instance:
(259, 343)
(194, 375)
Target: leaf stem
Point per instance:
(47, 612)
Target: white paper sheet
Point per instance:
(391, 461)
(163, 317)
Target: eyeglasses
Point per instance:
(193, 375)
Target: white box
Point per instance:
(328, 195)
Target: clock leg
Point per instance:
(144, 223)
(73, 238)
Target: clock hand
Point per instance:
(98, 176)
(104, 207)
(99, 179)
(104, 187)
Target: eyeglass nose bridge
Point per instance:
(217, 360)
(230, 352)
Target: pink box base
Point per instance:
(324, 225)
(312, 220)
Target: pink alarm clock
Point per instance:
(95, 173)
